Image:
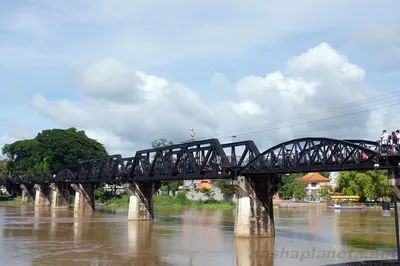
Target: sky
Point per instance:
(129, 72)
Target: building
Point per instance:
(315, 182)
(333, 176)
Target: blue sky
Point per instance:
(203, 50)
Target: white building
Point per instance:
(333, 176)
(315, 182)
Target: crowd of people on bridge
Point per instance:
(390, 142)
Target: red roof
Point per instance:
(314, 177)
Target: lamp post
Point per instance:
(233, 138)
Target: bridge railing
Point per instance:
(388, 147)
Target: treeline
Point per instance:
(365, 184)
(49, 150)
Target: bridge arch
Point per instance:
(314, 154)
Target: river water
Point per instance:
(190, 237)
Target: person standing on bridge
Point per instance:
(385, 141)
(395, 138)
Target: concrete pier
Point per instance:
(27, 193)
(42, 195)
(254, 207)
(394, 180)
(141, 200)
(84, 197)
(59, 195)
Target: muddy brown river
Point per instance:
(190, 237)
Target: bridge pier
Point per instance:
(394, 180)
(27, 193)
(141, 200)
(59, 195)
(84, 197)
(254, 207)
(42, 195)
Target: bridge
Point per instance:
(253, 175)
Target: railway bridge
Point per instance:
(254, 176)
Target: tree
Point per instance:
(51, 149)
(289, 185)
(325, 192)
(223, 186)
(325, 174)
(365, 184)
(161, 143)
(299, 191)
(172, 185)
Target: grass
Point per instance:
(180, 201)
(14, 202)
(165, 201)
(117, 201)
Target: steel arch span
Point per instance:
(314, 155)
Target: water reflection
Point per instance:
(184, 237)
(259, 251)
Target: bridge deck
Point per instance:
(212, 160)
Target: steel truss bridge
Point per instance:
(208, 159)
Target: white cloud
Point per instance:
(317, 79)
(153, 33)
(115, 144)
(111, 80)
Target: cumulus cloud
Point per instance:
(279, 105)
(110, 80)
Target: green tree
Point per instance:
(51, 149)
(171, 185)
(324, 192)
(289, 186)
(325, 174)
(365, 184)
(299, 191)
(3, 169)
(223, 186)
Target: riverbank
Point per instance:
(299, 205)
(160, 201)
(14, 202)
(180, 201)
(310, 205)
(165, 201)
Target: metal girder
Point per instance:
(240, 153)
(185, 161)
(313, 155)
(104, 169)
(212, 160)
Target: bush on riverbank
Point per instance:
(180, 200)
(17, 201)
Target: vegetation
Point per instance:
(222, 185)
(49, 150)
(3, 169)
(365, 184)
(172, 185)
(291, 187)
(325, 192)
(180, 201)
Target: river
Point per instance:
(190, 237)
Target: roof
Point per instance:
(335, 193)
(314, 177)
